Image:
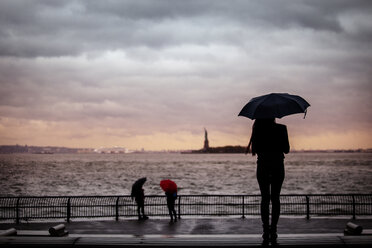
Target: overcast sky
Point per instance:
(153, 74)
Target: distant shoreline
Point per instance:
(12, 149)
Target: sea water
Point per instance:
(114, 174)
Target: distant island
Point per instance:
(8, 149)
(221, 149)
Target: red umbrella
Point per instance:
(168, 186)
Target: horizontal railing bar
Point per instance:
(186, 195)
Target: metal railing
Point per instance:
(74, 207)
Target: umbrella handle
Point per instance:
(305, 113)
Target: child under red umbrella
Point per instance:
(170, 189)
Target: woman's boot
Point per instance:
(273, 234)
(266, 233)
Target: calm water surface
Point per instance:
(113, 174)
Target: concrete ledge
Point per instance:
(185, 241)
(233, 232)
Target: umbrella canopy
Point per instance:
(168, 186)
(274, 105)
(137, 186)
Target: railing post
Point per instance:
(353, 207)
(117, 209)
(68, 210)
(179, 207)
(243, 213)
(307, 207)
(17, 211)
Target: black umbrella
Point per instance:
(274, 105)
(137, 186)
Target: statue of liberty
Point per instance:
(206, 142)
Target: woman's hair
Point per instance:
(256, 128)
(262, 122)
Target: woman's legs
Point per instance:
(172, 211)
(265, 200)
(270, 176)
(141, 209)
(264, 184)
(276, 186)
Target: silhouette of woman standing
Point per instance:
(269, 141)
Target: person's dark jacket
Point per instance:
(270, 141)
(138, 195)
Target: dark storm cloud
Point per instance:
(59, 28)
